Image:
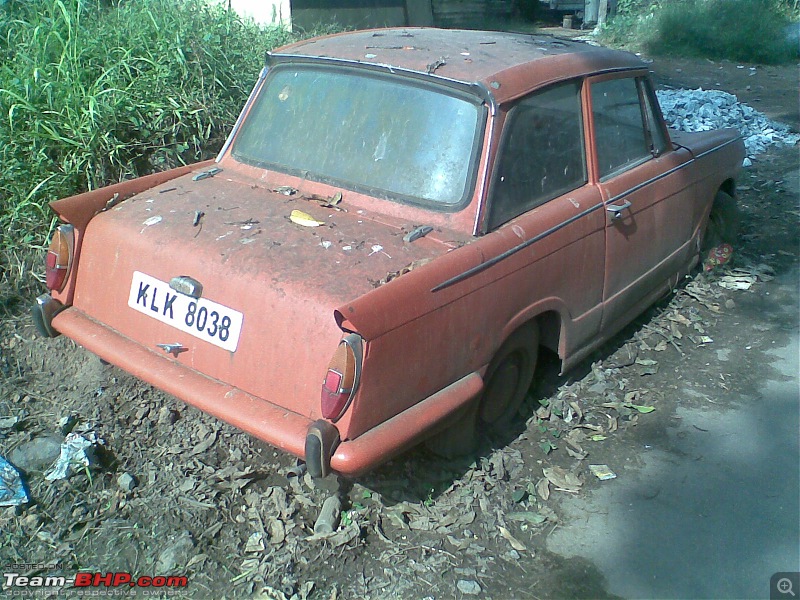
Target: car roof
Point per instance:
(511, 64)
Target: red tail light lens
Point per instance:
(59, 257)
(342, 378)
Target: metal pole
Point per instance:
(602, 12)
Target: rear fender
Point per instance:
(78, 210)
(558, 312)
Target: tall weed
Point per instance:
(92, 92)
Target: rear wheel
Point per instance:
(507, 381)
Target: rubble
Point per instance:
(36, 454)
(126, 482)
(176, 554)
(469, 587)
(705, 110)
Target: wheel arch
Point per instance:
(729, 187)
(548, 315)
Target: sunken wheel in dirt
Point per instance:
(507, 381)
(723, 223)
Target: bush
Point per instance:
(92, 92)
(739, 30)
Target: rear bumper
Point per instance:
(275, 425)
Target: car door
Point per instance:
(646, 194)
(541, 195)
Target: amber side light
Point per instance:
(59, 258)
(342, 378)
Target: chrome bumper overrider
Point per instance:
(45, 308)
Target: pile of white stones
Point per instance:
(704, 110)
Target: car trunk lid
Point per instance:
(265, 320)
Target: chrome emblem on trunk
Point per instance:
(173, 349)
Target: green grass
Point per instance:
(92, 92)
(738, 30)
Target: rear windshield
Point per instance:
(390, 136)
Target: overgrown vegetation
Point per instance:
(741, 30)
(92, 92)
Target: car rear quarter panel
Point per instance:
(78, 210)
(420, 341)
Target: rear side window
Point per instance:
(542, 154)
(622, 134)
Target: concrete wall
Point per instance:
(266, 12)
(468, 13)
(352, 14)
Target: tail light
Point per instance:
(59, 257)
(342, 378)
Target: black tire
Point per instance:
(723, 224)
(508, 379)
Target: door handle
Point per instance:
(616, 209)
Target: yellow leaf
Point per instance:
(304, 219)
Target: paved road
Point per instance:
(715, 510)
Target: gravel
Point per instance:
(37, 454)
(704, 110)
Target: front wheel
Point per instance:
(723, 223)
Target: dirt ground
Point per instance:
(236, 518)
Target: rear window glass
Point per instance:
(390, 136)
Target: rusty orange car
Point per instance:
(398, 221)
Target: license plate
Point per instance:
(204, 319)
